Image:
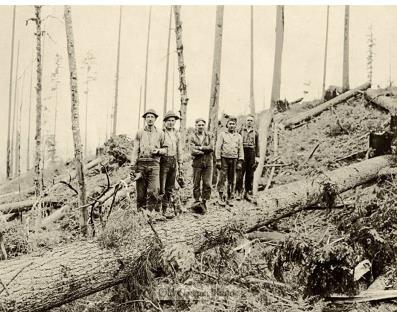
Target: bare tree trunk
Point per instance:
(14, 117)
(252, 99)
(8, 162)
(18, 135)
(266, 117)
(345, 79)
(37, 158)
(86, 115)
(279, 52)
(216, 71)
(167, 65)
(116, 94)
(325, 53)
(182, 74)
(173, 85)
(139, 108)
(29, 121)
(78, 155)
(147, 59)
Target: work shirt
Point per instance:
(229, 145)
(250, 139)
(172, 143)
(198, 144)
(145, 142)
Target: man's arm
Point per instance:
(163, 147)
(257, 147)
(179, 149)
(218, 147)
(210, 147)
(240, 148)
(194, 151)
(135, 150)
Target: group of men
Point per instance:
(157, 162)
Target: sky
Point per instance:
(96, 31)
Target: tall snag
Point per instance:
(8, 165)
(266, 117)
(181, 68)
(29, 120)
(147, 59)
(252, 99)
(345, 78)
(37, 157)
(167, 65)
(216, 71)
(325, 53)
(116, 92)
(78, 155)
(14, 117)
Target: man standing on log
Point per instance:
(170, 162)
(229, 155)
(251, 155)
(145, 162)
(202, 148)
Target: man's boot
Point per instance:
(248, 197)
(204, 206)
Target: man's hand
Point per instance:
(218, 164)
(239, 165)
(155, 151)
(132, 173)
(256, 163)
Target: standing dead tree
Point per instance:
(182, 73)
(266, 117)
(216, 71)
(370, 56)
(167, 65)
(14, 116)
(325, 53)
(345, 78)
(147, 59)
(8, 164)
(78, 155)
(29, 120)
(252, 99)
(55, 81)
(116, 92)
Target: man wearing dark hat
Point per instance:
(251, 154)
(202, 148)
(145, 162)
(229, 155)
(171, 161)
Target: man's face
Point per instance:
(231, 126)
(170, 123)
(250, 121)
(150, 119)
(200, 126)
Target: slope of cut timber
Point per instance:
(80, 269)
(324, 106)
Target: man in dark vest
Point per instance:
(251, 156)
(145, 162)
(202, 147)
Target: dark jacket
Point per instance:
(250, 139)
(202, 152)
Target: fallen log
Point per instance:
(366, 296)
(383, 101)
(26, 205)
(288, 123)
(83, 268)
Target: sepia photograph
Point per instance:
(196, 157)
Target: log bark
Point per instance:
(324, 106)
(26, 205)
(82, 268)
(383, 101)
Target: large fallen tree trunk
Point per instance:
(324, 106)
(80, 269)
(381, 100)
(26, 205)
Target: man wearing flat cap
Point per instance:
(170, 161)
(202, 148)
(229, 155)
(145, 162)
